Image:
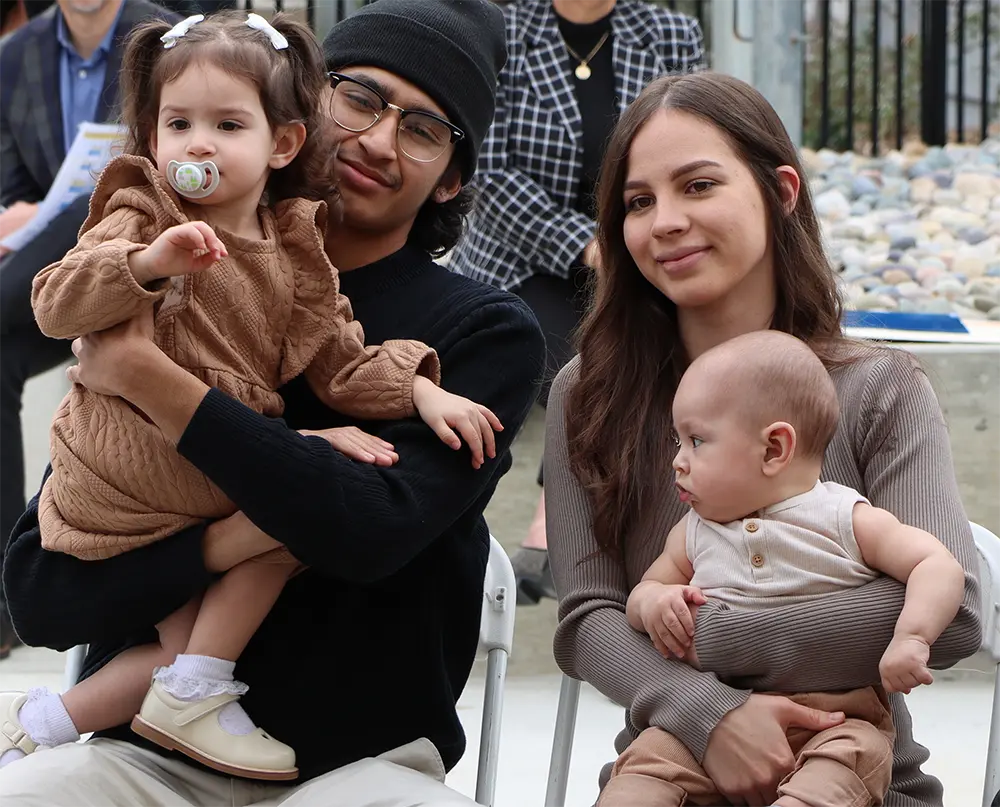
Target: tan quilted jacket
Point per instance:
(251, 322)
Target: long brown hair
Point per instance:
(618, 419)
(291, 83)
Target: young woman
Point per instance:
(707, 231)
(573, 67)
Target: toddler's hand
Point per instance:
(445, 412)
(904, 664)
(666, 617)
(181, 250)
(356, 444)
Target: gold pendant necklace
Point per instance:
(582, 70)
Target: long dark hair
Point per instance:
(631, 355)
(291, 82)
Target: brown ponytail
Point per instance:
(310, 174)
(140, 92)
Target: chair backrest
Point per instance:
(988, 548)
(496, 637)
(496, 629)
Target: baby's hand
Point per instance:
(444, 412)
(904, 664)
(181, 250)
(666, 617)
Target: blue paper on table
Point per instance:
(899, 321)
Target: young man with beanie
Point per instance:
(360, 663)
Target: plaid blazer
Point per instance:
(31, 128)
(530, 164)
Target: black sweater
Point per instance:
(371, 646)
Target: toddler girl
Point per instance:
(205, 219)
(753, 418)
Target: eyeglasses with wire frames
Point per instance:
(422, 136)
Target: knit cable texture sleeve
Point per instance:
(92, 288)
(326, 342)
(368, 382)
(897, 441)
(594, 641)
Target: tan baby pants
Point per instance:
(846, 766)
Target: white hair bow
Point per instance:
(258, 22)
(169, 39)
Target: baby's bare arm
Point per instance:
(934, 578)
(671, 568)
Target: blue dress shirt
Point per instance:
(81, 80)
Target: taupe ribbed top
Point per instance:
(892, 446)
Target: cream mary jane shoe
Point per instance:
(192, 727)
(13, 737)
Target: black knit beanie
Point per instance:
(451, 49)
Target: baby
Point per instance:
(753, 418)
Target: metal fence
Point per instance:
(876, 72)
(880, 72)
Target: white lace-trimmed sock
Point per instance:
(194, 678)
(44, 717)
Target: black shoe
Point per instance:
(8, 639)
(534, 577)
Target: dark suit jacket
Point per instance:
(31, 128)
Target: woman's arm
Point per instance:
(900, 446)
(594, 641)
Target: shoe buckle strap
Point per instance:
(202, 708)
(18, 737)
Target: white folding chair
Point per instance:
(74, 665)
(562, 742)
(496, 636)
(988, 548)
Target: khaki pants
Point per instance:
(110, 773)
(846, 766)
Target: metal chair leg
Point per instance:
(562, 742)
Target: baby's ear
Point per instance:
(780, 442)
(288, 141)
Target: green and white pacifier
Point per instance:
(193, 180)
